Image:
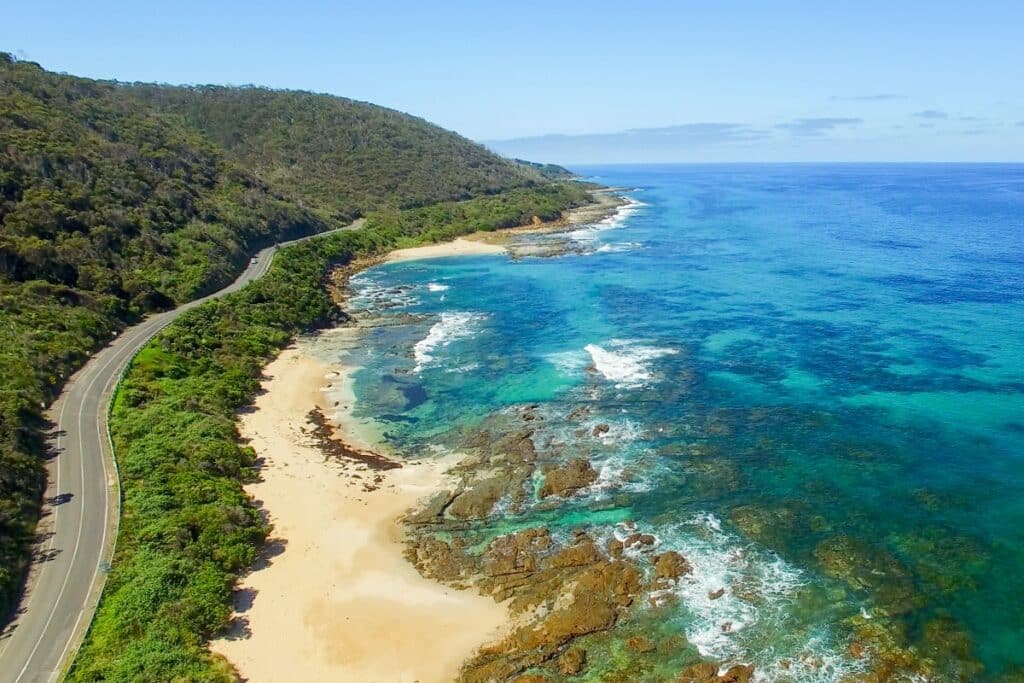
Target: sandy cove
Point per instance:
(463, 246)
(497, 241)
(334, 599)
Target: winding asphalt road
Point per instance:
(82, 506)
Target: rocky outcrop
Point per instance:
(701, 672)
(568, 479)
(565, 590)
(707, 672)
(572, 662)
(863, 567)
(639, 541)
(670, 565)
(477, 501)
(575, 601)
(641, 644)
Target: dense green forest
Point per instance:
(550, 171)
(188, 530)
(336, 154)
(117, 200)
(447, 220)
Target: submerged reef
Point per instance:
(786, 458)
(593, 595)
(565, 586)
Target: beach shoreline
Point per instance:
(332, 596)
(338, 598)
(606, 202)
(462, 246)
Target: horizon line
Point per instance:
(786, 163)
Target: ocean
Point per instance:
(807, 379)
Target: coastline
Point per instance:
(338, 593)
(596, 599)
(462, 246)
(332, 596)
(607, 202)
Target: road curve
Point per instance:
(82, 505)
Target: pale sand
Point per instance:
(457, 247)
(605, 203)
(336, 600)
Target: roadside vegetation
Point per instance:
(117, 200)
(188, 530)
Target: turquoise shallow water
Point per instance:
(814, 382)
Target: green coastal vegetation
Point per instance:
(188, 530)
(117, 200)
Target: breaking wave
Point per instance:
(450, 327)
(624, 362)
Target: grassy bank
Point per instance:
(188, 530)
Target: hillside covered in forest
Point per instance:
(121, 199)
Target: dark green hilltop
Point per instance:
(117, 200)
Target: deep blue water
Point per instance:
(814, 377)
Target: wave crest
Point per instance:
(450, 327)
(628, 365)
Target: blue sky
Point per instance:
(578, 82)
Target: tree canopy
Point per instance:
(120, 199)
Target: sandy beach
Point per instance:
(458, 247)
(498, 241)
(334, 599)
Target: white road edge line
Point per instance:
(154, 324)
(81, 520)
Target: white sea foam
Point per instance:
(743, 622)
(615, 247)
(371, 295)
(618, 432)
(437, 287)
(568, 362)
(450, 327)
(588, 233)
(624, 362)
(618, 474)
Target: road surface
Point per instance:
(82, 505)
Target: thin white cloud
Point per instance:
(817, 126)
(931, 114)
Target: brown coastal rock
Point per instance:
(566, 480)
(572, 661)
(707, 672)
(671, 565)
(701, 672)
(579, 601)
(737, 674)
(431, 510)
(641, 644)
(578, 413)
(439, 560)
(578, 555)
(639, 541)
(865, 567)
(516, 553)
(477, 501)
(592, 605)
